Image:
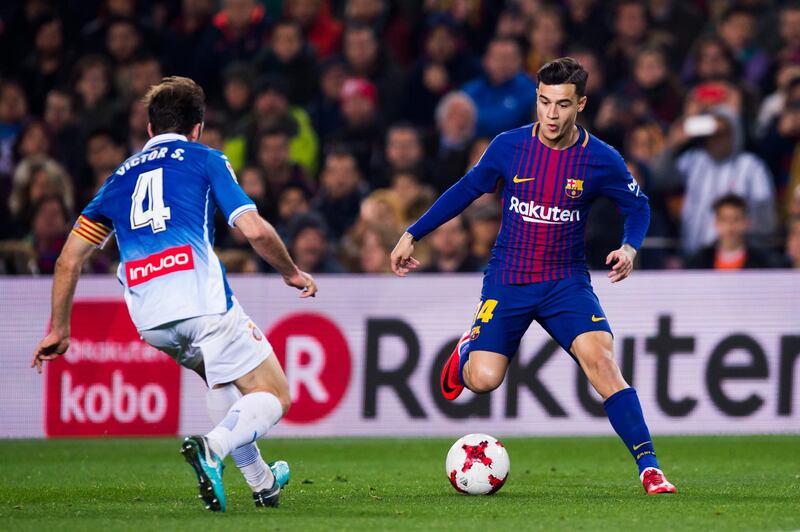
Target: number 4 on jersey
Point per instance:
(150, 185)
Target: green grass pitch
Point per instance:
(724, 483)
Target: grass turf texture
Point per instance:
(724, 483)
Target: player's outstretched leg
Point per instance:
(595, 355)
(265, 398)
(452, 378)
(258, 474)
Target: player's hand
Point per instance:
(402, 261)
(52, 346)
(622, 261)
(304, 282)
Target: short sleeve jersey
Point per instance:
(160, 203)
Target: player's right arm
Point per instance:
(269, 246)
(481, 179)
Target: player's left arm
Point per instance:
(622, 188)
(65, 278)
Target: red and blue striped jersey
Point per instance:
(546, 197)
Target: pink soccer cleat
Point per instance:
(654, 482)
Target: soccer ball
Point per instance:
(477, 464)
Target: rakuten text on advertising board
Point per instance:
(703, 355)
(110, 382)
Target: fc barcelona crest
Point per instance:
(574, 188)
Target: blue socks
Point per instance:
(625, 414)
(463, 356)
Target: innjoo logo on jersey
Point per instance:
(533, 212)
(168, 261)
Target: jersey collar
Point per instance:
(164, 137)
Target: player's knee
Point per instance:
(485, 380)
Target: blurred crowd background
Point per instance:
(345, 119)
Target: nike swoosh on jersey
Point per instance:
(596, 319)
(517, 179)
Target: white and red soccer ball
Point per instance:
(477, 464)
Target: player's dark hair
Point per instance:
(562, 71)
(175, 105)
(730, 200)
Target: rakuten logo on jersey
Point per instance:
(110, 382)
(168, 261)
(315, 356)
(533, 212)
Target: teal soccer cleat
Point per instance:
(208, 468)
(280, 469)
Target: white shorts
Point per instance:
(229, 345)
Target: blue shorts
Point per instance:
(565, 308)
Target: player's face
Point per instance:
(557, 108)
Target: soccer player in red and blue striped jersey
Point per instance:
(552, 171)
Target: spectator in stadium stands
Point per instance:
(376, 247)
(730, 251)
(13, 112)
(94, 86)
(341, 191)
(737, 28)
(362, 132)
(188, 45)
(367, 59)
(278, 169)
(631, 32)
(504, 95)
(595, 86)
(290, 57)
(50, 225)
(34, 140)
(137, 127)
(123, 41)
(145, 72)
(456, 119)
(773, 104)
(381, 208)
(716, 166)
(512, 23)
(47, 64)
(60, 117)
(586, 24)
(254, 184)
(404, 151)
(484, 225)
(451, 250)
(545, 39)
(387, 20)
(790, 33)
(781, 144)
(445, 65)
(105, 151)
(235, 111)
(793, 242)
(476, 150)
(272, 110)
(324, 108)
(682, 20)
(35, 178)
(413, 197)
(323, 31)
(293, 200)
(241, 28)
(654, 84)
(308, 245)
(213, 135)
